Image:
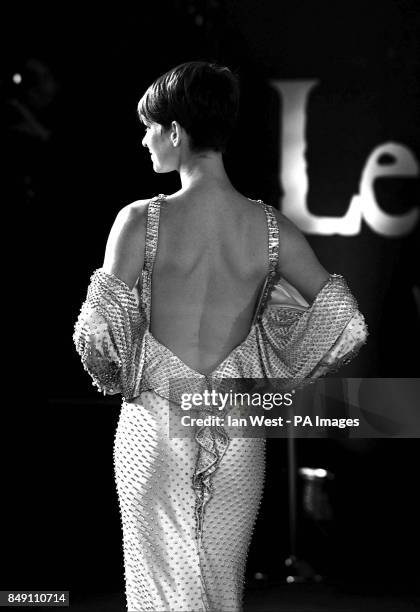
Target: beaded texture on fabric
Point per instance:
(108, 333)
(273, 255)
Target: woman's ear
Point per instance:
(175, 135)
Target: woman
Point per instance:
(237, 293)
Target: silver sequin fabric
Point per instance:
(188, 505)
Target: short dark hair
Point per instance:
(203, 97)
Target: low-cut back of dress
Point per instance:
(152, 236)
(187, 513)
(189, 503)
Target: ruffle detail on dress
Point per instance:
(212, 445)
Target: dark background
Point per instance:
(73, 158)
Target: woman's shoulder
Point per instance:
(133, 216)
(287, 228)
(205, 198)
(130, 220)
(134, 210)
(124, 252)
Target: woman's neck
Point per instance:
(204, 171)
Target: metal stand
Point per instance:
(298, 570)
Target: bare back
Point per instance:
(211, 262)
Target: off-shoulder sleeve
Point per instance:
(299, 340)
(345, 348)
(108, 332)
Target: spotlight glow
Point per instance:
(311, 473)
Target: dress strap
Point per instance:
(150, 248)
(273, 256)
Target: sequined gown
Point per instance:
(188, 504)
